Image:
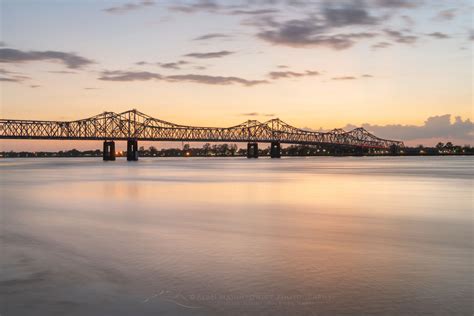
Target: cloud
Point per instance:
(118, 75)
(63, 72)
(258, 114)
(201, 5)
(174, 65)
(210, 36)
(446, 15)
(171, 65)
(291, 74)
(70, 60)
(253, 12)
(344, 78)
(399, 37)
(408, 20)
(11, 76)
(302, 33)
(434, 127)
(210, 54)
(397, 3)
(130, 7)
(203, 79)
(352, 14)
(308, 33)
(3, 44)
(4, 79)
(380, 45)
(439, 35)
(215, 80)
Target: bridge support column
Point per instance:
(359, 151)
(394, 150)
(132, 150)
(108, 153)
(275, 150)
(252, 150)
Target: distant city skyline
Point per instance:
(401, 69)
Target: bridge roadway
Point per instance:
(133, 126)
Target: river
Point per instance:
(232, 236)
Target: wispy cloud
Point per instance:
(439, 35)
(400, 37)
(173, 65)
(258, 114)
(342, 78)
(351, 14)
(176, 65)
(211, 36)
(381, 45)
(70, 60)
(201, 5)
(118, 75)
(215, 80)
(63, 72)
(310, 32)
(12, 76)
(210, 54)
(318, 23)
(195, 78)
(253, 12)
(398, 3)
(130, 7)
(446, 15)
(291, 74)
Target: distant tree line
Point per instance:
(229, 150)
(46, 154)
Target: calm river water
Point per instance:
(229, 236)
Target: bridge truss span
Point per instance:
(134, 125)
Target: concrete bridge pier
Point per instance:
(132, 150)
(275, 150)
(108, 153)
(252, 150)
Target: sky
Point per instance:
(400, 68)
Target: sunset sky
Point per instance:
(401, 68)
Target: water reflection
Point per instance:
(232, 236)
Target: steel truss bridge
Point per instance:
(133, 126)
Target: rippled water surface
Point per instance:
(236, 236)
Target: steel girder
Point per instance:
(136, 125)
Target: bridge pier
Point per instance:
(394, 150)
(132, 150)
(252, 150)
(275, 150)
(108, 153)
(359, 151)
